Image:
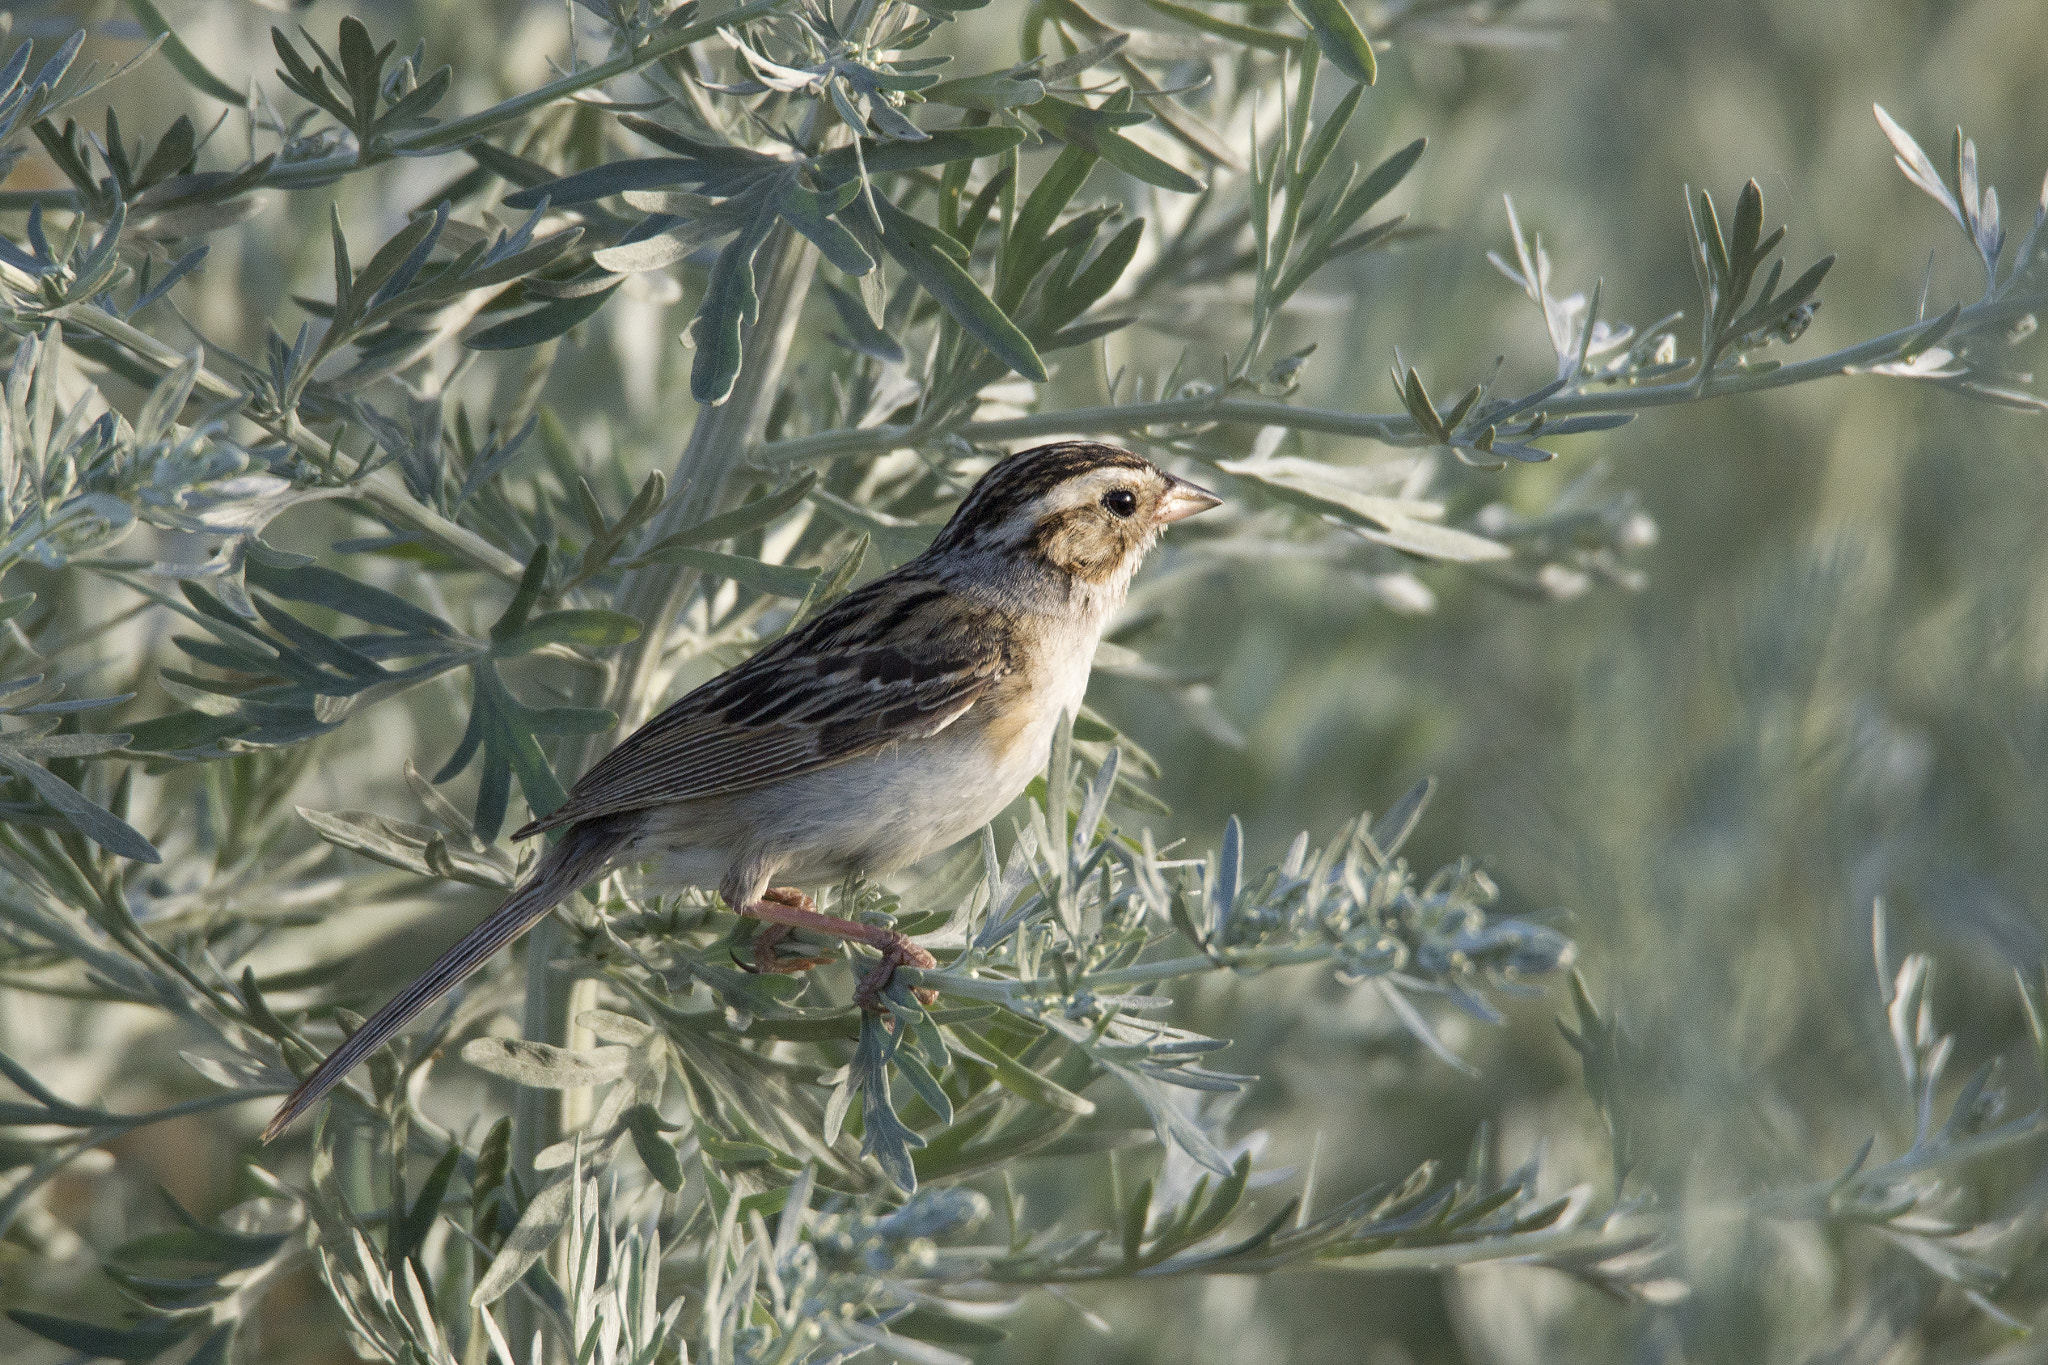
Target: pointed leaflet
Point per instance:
(1340, 38)
(946, 145)
(745, 517)
(862, 334)
(1396, 522)
(545, 323)
(730, 305)
(18, 755)
(1095, 130)
(810, 212)
(777, 580)
(538, 1226)
(917, 249)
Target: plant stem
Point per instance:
(1393, 427)
(1009, 990)
(716, 450)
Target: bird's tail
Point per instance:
(581, 855)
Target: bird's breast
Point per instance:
(885, 810)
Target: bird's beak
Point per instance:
(1183, 500)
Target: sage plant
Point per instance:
(227, 580)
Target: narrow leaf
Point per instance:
(544, 323)
(914, 247)
(182, 58)
(1340, 38)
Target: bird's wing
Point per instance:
(902, 658)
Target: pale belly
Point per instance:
(872, 814)
(888, 810)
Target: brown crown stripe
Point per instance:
(1013, 483)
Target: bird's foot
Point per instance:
(786, 908)
(769, 960)
(897, 951)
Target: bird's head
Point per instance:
(1081, 511)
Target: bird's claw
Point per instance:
(785, 908)
(898, 950)
(768, 962)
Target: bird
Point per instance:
(894, 723)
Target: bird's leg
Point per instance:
(767, 960)
(786, 908)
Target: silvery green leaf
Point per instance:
(649, 253)
(925, 254)
(991, 93)
(29, 690)
(321, 586)
(924, 1083)
(657, 1153)
(1094, 804)
(544, 323)
(890, 123)
(1085, 60)
(1391, 831)
(1412, 1020)
(728, 306)
(1229, 880)
(614, 177)
(40, 745)
(1020, 1080)
(1340, 38)
(884, 1136)
(1095, 130)
(546, 1214)
(862, 333)
(584, 1146)
(1170, 1120)
(167, 400)
(96, 272)
(836, 1109)
(101, 826)
(611, 1027)
(777, 580)
(1915, 165)
(545, 1066)
(1400, 523)
(811, 213)
(1003, 894)
(585, 627)
(945, 145)
(414, 848)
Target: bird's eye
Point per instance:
(1120, 501)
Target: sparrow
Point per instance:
(891, 725)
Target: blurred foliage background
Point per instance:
(1830, 686)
